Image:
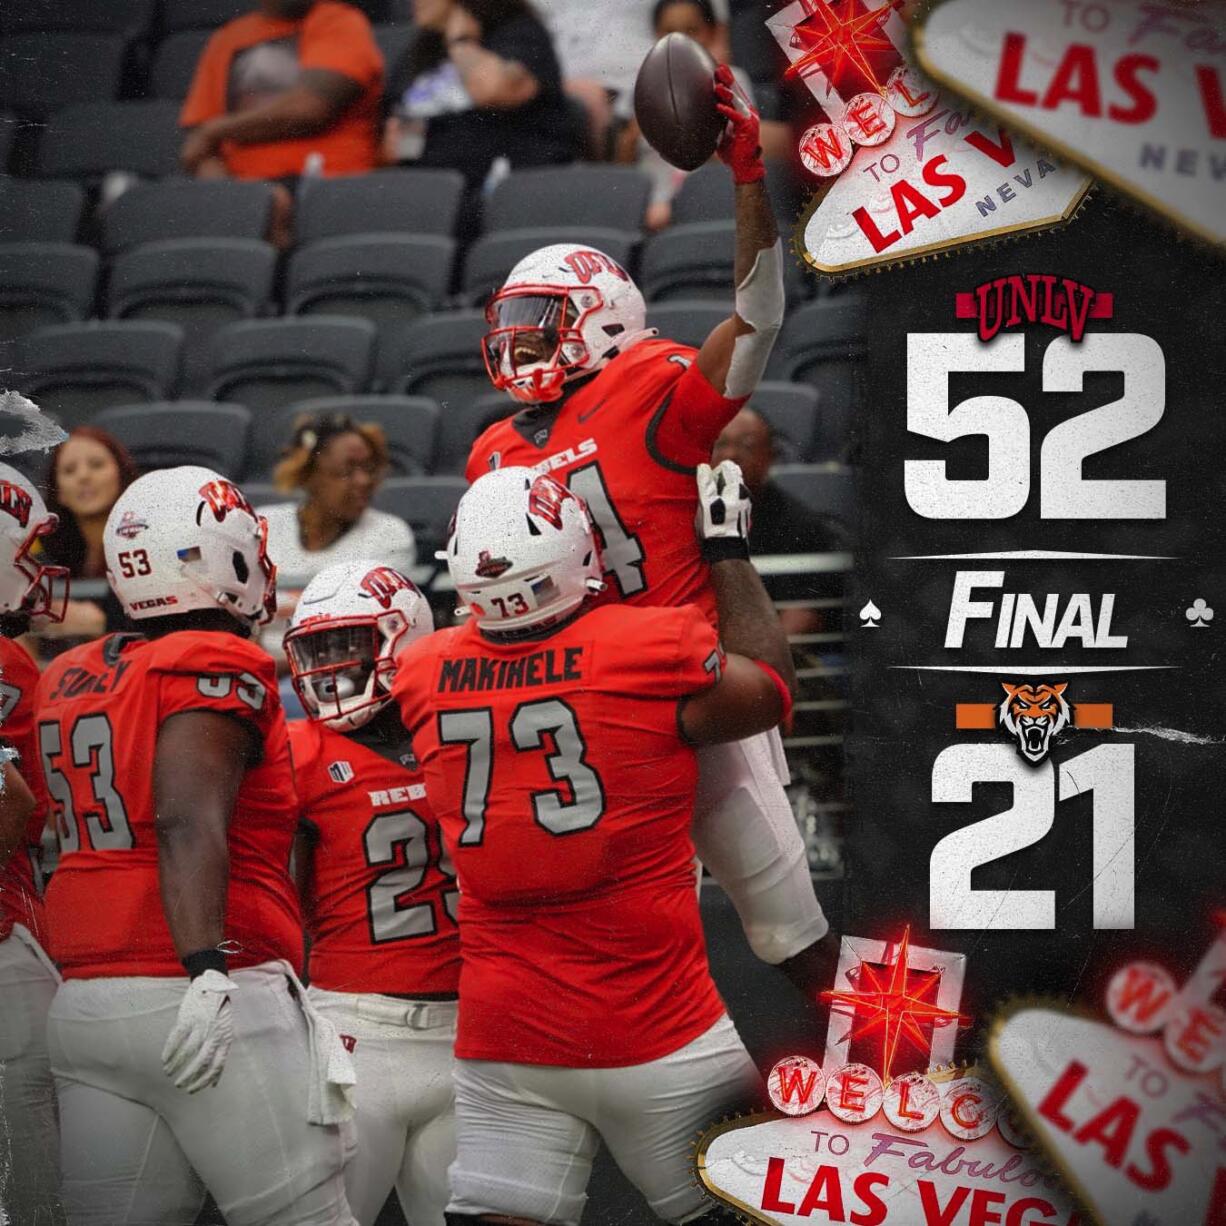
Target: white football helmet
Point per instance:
(564, 311)
(186, 538)
(26, 585)
(522, 552)
(351, 623)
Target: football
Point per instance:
(674, 102)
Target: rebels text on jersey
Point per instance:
(20, 878)
(565, 792)
(627, 443)
(381, 912)
(99, 710)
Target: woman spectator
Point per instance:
(338, 464)
(479, 83)
(88, 472)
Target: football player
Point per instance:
(623, 419)
(182, 1046)
(558, 740)
(376, 885)
(29, 1136)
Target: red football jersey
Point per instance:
(99, 710)
(603, 444)
(382, 910)
(21, 879)
(565, 792)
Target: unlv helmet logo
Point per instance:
(16, 502)
(222, 498)
(586, 264)
(491, 568)
(383, 583)
(546, 498)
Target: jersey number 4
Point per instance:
(530, 725)
(621, 553)
(89, 749)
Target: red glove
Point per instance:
(741, 145)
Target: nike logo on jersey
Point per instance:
(594, 409)
(572, 455)
(398, 796)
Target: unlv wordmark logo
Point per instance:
(222, 497)
(383, 583)
(15, 502)
(587, 264)
(1034, 298)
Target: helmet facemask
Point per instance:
(47, 596)
(343, 667)
(535, 343)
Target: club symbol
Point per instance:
(1200, 614)
(870, 616)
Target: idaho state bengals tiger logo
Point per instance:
(222, 497)
(1034, 714)
(383, 583)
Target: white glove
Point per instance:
(724, 512)
(196, 1051)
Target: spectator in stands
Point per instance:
(294, 88)
(88, 472)
(601, 47)
(480, 84)
(699, 20)
(338, 464)
(781, 523)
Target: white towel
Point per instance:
(331, 1096)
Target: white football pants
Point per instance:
(135, 1149)
(527, 1133)
(745, 834)
(402, 1052)
(29, 1134)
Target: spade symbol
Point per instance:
(870, 616)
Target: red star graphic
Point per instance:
(893, 1009)
(835, 40)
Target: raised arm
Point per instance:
(490, 80)
(755, 691)
(734, 356)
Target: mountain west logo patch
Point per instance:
(340, 772)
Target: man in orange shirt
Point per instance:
(274, 87)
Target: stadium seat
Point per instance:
(492, 256)
(167, 433)
(388, 202)
(706, 195)
(426, 504)
(74, 371)
(409, 423)
(791, 410)
(463, 422)
(201, 283)
(389, 279)
(131, 18)
(825, 488)
(174, 63)
(393, 39)
(824, 344)
(690, 261)
(222, 208)
(268, 363)
(43, 284)
(70, 68)
(687, 321)
(8, 131)
(32, 211)
(93, 138)
(609, 197)
(441, 357)
(201, 14)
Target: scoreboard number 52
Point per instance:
(1106, 771)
